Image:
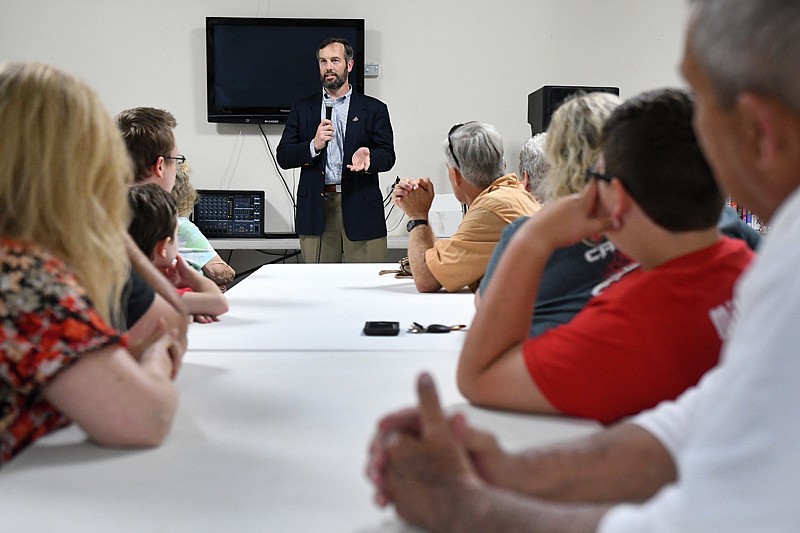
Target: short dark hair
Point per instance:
(153, 216)
(348, 49)
(649, 144)
(148, 134)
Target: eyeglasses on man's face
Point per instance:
(179, 159)
(592, 174)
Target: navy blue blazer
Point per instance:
(362, 202)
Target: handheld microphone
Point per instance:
(328, 110)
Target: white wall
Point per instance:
(442, 62)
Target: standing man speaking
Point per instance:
(341, 140)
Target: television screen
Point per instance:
(257, 67)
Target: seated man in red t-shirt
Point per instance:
(652, 331)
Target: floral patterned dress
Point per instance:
(46, 323)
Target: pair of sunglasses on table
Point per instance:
(435, 328)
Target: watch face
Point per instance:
(414, 223)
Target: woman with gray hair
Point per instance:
(533, 165)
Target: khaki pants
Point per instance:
(333, 244)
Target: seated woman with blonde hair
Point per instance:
(572, 145)
(64, 172)
(193, 246)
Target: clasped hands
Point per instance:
(422, 461)
(157, 343)
(414, 197)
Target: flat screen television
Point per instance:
(257, 67)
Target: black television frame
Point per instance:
(289, 58)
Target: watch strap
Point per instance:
(416, 222)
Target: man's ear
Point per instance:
(157, 169)
(622, 202)
(765, 127)
(526, 180)
(455, 175)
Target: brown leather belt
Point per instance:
(333, 188)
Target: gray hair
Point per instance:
(749, 45)
(533, 161)
(479, 150)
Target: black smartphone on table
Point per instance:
(384, 328)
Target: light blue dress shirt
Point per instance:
(335, 149)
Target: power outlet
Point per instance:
(372, 70)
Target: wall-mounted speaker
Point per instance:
(542, 103)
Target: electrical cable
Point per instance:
(391, 190)
(277, 168)
(388, 200)
(398, 222)
(233, 159)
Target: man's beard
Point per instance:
(335, 84)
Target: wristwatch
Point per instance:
(414, 223)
